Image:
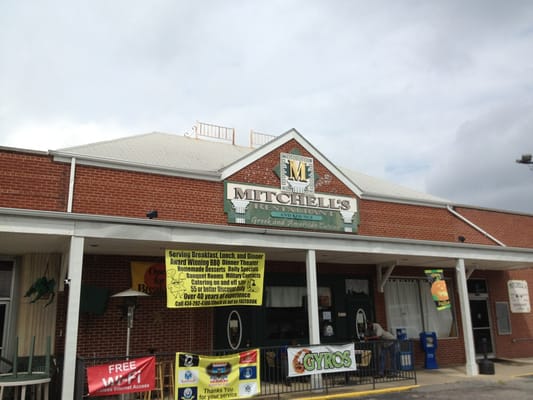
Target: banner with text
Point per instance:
(321, 359)
(224, 377)
(130, 376)
(148, 277)
(204, 278)
(439, 291)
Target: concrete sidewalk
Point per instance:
(504, 370)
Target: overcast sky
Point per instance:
(433, 95)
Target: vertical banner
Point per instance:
(148, 277)
(203, 278)
(518, 296)
(129, 376)
(224, 377)
(439, 291)
(321, 359)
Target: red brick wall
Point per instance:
(106, 191)
(33, 181)
(379, 218)
(155, 327)
(512, 229)
(507, 346)
(261, 172)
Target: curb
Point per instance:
(362, 393)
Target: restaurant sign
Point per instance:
(295, 204)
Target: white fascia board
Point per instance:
(404, 200)
(136, 167)
(280, 140)
(25, 221)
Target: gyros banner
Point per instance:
(324, 359)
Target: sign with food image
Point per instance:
(439, 291)
(311, 360)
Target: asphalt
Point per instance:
(507, 375)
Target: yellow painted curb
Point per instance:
(362, 393)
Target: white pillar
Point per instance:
(75, 261)
(312, 308)
(468, 335)
(312, 298)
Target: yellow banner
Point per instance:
(204, 278)
(148, 277)
(225, 377)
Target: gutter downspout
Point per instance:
(477, 228)
(71, 184)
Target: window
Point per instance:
(286, 311)
(409, 305)
(503, 318)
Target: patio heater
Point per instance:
(130, 301)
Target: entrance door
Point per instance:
(479, 312)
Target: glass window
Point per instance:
(6, 273)
(410, 306)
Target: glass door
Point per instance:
(479, 311)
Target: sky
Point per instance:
(435, 95)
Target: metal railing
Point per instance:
(378, 362)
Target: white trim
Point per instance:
(280, 140)
(384, 277)
(135, 167)
(91, 226)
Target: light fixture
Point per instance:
(151, 214)
(130, 301)
(526, 159)
(461, 238)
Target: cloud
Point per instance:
(479, 167)
(391, 89)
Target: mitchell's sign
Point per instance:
(294, 205)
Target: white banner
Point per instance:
(321, 359)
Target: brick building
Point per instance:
(336, 243)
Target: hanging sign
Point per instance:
(204, 278)
(148, 277)
(518, 296)
(128, 376)
(224, 377)
(314, 360)
(439, 291)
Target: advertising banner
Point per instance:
(439, 291)
(148, 277)
(204, 278)
(321, 359)
(224, 377)
(518, 296)
(129, 376)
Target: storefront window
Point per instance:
(286, 311)
(410, 306)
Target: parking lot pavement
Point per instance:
(512, 379)
(517, 388)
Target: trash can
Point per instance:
(428, 341)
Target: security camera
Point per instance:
(67, 281)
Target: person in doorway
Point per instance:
(384, 347)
